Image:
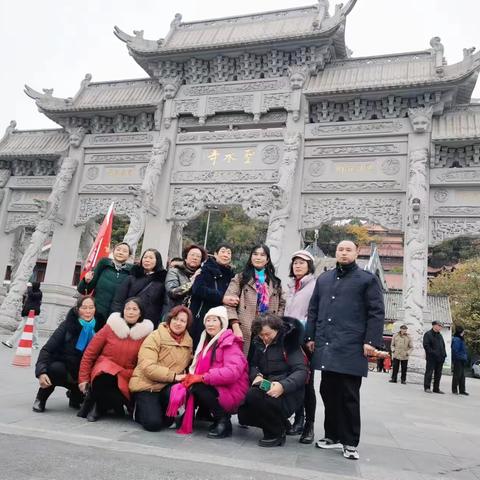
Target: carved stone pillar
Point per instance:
(6, 240)
(176, 239)
(145, 196)
(416, 233)
(282, 193)
(49, 212)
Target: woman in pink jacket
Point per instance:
(218, 378)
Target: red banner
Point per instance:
(101, 245)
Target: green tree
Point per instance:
(463, 287)
(227, 225)
(120, 228)
(455, 250)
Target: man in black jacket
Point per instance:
(345, 323)
(435, 355)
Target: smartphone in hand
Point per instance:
(265, 385)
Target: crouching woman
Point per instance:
(59, 359)
(163, 360)
(278, 373)
(108, 361)
(218, 378)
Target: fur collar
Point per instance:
(159, 275)
(122, 330)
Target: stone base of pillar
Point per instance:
(57, 300)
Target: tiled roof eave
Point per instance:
(260, 42)
(97, 108)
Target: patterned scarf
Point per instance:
(263, 296)
(87, 333)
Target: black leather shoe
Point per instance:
(222, 429)
(392, 380)
(307, 434)
(86, 406)
(272, 442)
(404, 382)
(464, 393)
(94, 414)
(39, 405)
(297, 426)
(439, 391)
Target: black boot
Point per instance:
(75, 397)
(222, 429)
(297, 426)
(307, 434)
(87, 405)
(41, 399)
(94, 414)
(269, 441)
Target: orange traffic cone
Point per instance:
(23, 355)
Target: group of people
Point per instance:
(200, 343)
(435, 355)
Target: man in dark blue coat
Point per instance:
(209, 287)
(345, 323)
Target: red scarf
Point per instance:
(178, 338)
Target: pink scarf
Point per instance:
(179, 395)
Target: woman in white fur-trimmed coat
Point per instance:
(109, 360)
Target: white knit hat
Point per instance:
(221, 313)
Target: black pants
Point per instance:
(310, 401)
(396, 364)
(433, 367)
(106, 394)
(260, 410)
(60, 377)
(206, 398)
(341, 398)
(458, 377)
(150, 408)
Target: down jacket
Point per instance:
(159, 359)
(228, 372)
(114, 350)
(60, 347)
(283, 361)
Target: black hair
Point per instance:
(311, 266)
(158, 265)
(123, 243)
(176, 259)
(191, 247)
(266, 320)
(139, 303)
(35, 286)
(223, 245)
(80, 301)
(249, 270)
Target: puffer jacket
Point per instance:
(283, 361)
(228, 372)
(159, 359)
(114, 350)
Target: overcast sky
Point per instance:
(54, 43)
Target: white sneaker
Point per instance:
(7, 343)
(350, 452)
(328, 444)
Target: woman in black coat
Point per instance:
(278, 372)
(209, 288)
(59, 359)
(146, 281)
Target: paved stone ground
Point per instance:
(406, 434)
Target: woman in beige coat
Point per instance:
(162, 361)
(254, 291)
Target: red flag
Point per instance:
(101, 245)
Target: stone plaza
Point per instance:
(406, 435)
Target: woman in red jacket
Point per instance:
(109, 360)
